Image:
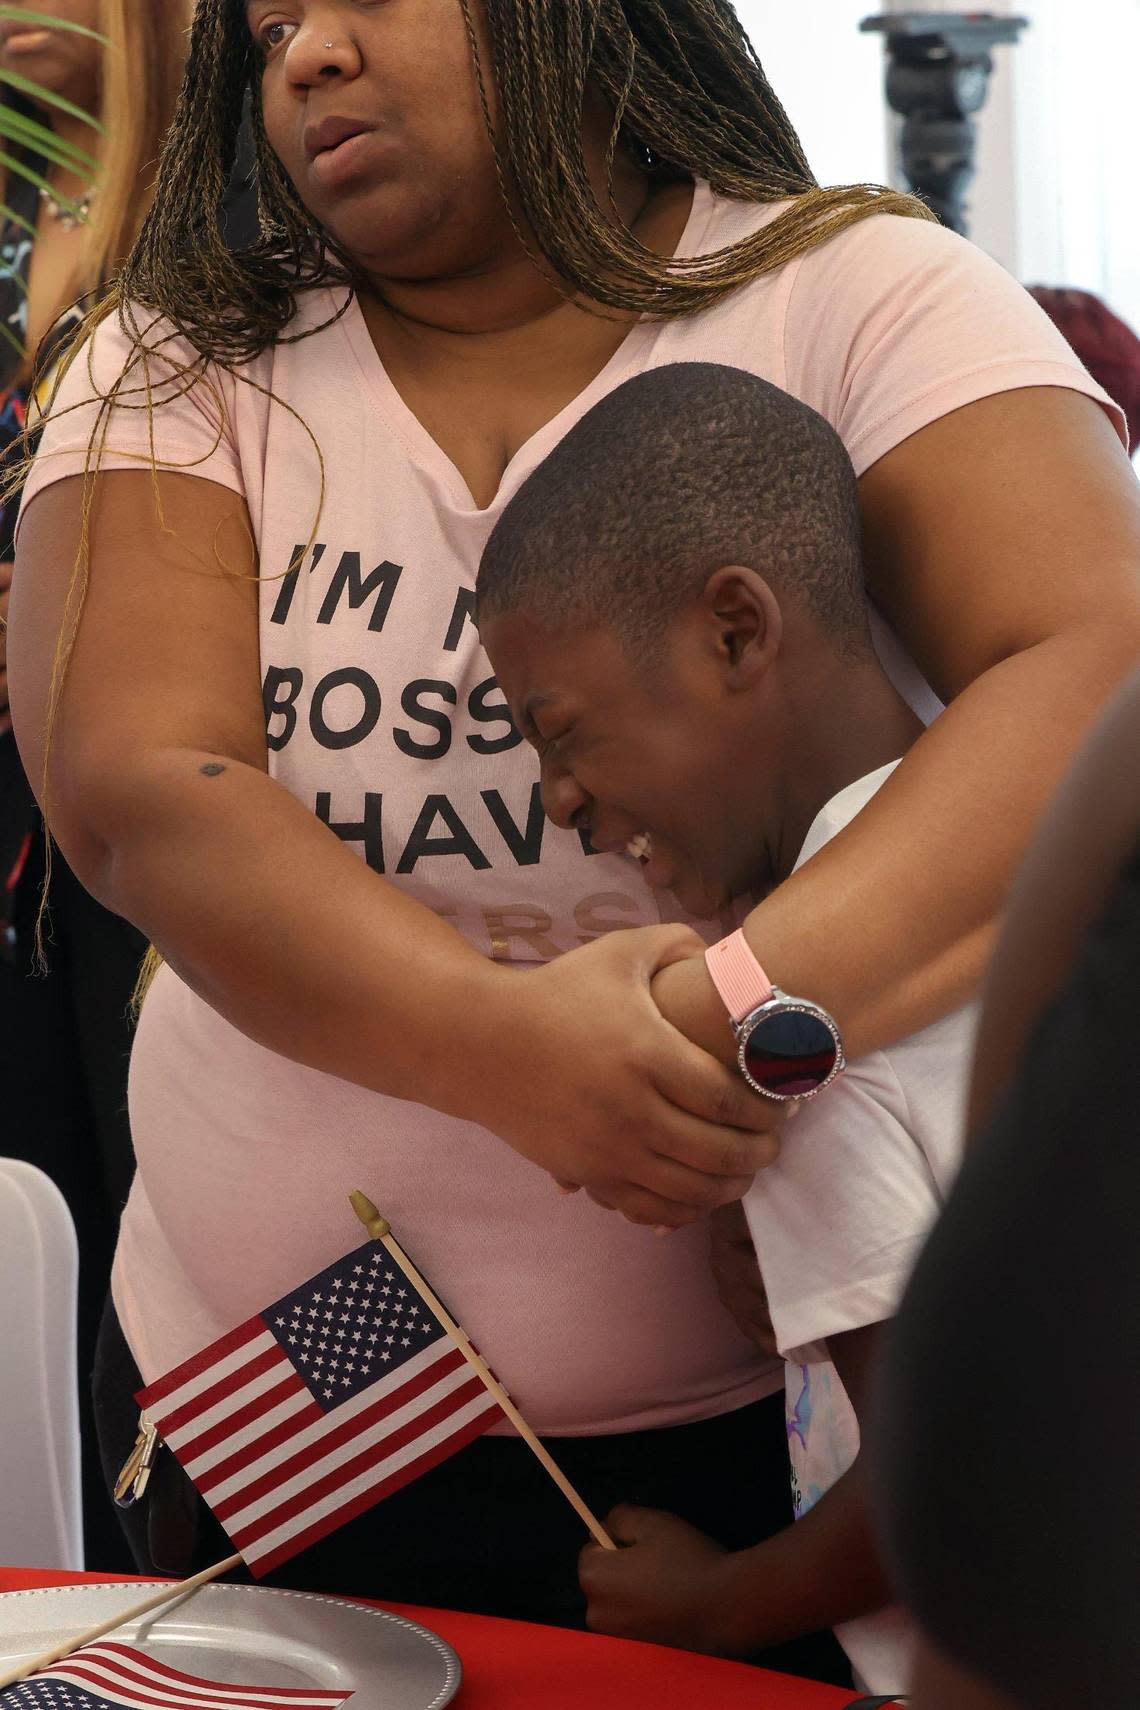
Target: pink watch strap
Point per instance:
(737, 975)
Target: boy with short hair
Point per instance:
(675, 607)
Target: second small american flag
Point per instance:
(311, 1412)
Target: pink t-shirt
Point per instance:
(385, 721)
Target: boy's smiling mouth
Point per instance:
(665, 870)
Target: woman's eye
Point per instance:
(270, 36)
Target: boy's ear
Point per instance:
(743, 622)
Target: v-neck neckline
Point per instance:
(426, 452)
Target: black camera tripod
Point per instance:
(938, 80)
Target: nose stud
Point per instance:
(328, 45)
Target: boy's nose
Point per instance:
(563, 798)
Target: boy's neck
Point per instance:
(842, 723)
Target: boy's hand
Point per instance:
(669, 1584)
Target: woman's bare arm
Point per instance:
(159, 794)
(1003, 543)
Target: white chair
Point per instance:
(41, 1510)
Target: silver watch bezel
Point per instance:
(781, 1004)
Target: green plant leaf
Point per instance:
(22, 171)
(41, 183)
(42, 140)
(7, 334)
(37, 138)
(23, 15)
(34, 137)
(11, 218)
(45, 97)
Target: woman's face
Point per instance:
(60, 60)
(372, 107)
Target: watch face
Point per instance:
(789, 1052)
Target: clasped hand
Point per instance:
(592, 1083)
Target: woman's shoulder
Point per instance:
(131, 380)
(890, 255)
(872, 246)
(894, 321)
(859, 260)
(130, 335)
(134, 358)
(136, 392)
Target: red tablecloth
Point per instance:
(509, 1665)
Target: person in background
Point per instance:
(64, 1038)
(1107, 345)
(1005, 1430)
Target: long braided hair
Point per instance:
(689, 98)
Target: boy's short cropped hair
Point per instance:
(675, 474)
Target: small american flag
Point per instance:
(327, 1401)
(109, 1676)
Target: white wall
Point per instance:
(1056, 196)
(1056, 193)
(830, 79)
(1075, 153)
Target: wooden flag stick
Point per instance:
(168, 1594)
(381, 1230)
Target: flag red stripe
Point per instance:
(263, 1445)
(219, 1350)
(118, 1668)
(261, 1565)
(235, 1422)
(135, 1694)
(245, 1535)
(103, 1646)
(337, 1435)
(264, 1362)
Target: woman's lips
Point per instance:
(334, 167)
(16, 38)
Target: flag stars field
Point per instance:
(308, 1414)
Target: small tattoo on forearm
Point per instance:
(213, 769)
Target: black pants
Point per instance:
(487, 1531)
(64, 1044)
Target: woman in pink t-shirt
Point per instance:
(308, 792)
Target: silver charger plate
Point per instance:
(247, 1635)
